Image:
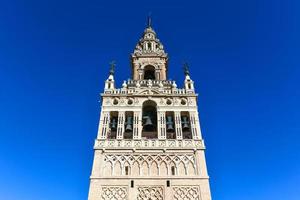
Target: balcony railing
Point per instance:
(163, 86)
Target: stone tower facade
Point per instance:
(149, 144)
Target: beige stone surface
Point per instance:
(133, 163)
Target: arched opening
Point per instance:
(186, 125)
(170, 125)
(117, 169)
(107, 171)
(149, 72)
(149, 46)
(149, 120)
(113, 125)
(173, 170)
(190, 169)
(128, 125)
(145, 169)
(127, 169)
(181, 169)
(135, 169)
(163, 169)
(154, 169)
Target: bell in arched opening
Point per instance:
(149, 119)
(170, 125)
(128, 125)
(186, 125)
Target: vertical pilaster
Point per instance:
(103, 125)
(121, 121)
(136, 115)
(157, 72)
(161, 123)
(140, 125)
(197, 125)
(194, 128)
(178, 125)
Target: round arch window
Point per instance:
(115, 101)
(149, 72)
(169, 102)
(130, 101)
(183, 102)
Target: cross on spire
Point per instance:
(149, 20)
(186, 68)
(112, 67)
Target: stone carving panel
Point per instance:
(150, 192)
(150, 164)
(186, 193)
(187, 143)
(114, 193)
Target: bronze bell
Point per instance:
(169, 123)
(148, 125)
(113, 124)
(148, 121)
(185, 123)
(128, 124)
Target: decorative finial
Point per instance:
(186, 68)
(149, 20)
(112, 67)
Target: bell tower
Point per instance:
(149, 60)
(149, 144)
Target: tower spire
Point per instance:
(149, 20)
(186, 68)
(112, 67)
(110, 83)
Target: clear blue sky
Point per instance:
(243, 56)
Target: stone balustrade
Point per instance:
(174, 91)
(144, 83)
(149, 144)
(161, 86)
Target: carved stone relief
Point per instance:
(107, 101)
(148, 164)
(150, 193)
(114, 193)
(186, 193)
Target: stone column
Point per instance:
(157, 74)
(121, 121)
(163, 71)
(178, 125)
